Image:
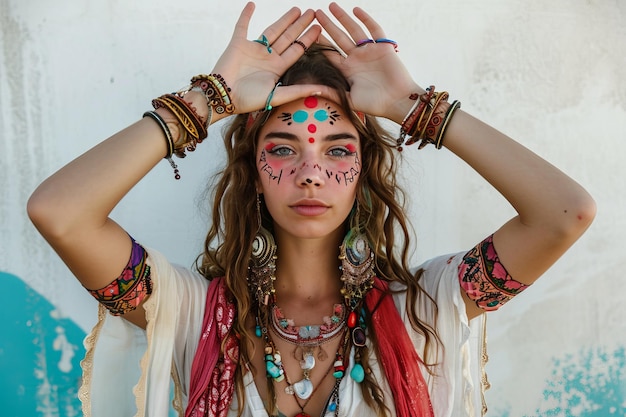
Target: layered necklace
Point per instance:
(347, 320)
(308, 341)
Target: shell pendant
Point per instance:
(303, 388)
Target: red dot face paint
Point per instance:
(351, 148)
(312, 128)
(310, 102)
(311, 140)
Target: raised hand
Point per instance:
(380, 84)
(252, 68)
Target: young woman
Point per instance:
(302, 303)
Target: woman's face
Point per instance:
(308, 164)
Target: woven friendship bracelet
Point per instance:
(128, 290)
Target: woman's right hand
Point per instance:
(252, 71)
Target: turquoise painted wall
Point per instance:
(40, 355)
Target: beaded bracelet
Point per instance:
(216, 92)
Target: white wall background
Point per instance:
(550, 74)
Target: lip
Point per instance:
(310, 207)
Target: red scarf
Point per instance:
(397, 354)
(213, 374)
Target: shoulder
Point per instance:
(436, 274)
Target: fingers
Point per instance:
(241, 27)
(340, 37)
(292, 32)
(298, 46)
(352, 27)
(372, 26)
(274, 31)
(353, 32)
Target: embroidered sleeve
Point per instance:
(129, 289)
(485, 279)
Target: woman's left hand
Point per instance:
(380, 84)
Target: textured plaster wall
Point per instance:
(550, 74)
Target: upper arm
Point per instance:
(126, 294)
(485, 282)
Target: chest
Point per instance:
(305, 377)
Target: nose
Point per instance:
(310, 174)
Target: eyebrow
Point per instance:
(293, 137)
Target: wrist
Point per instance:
(401, 107)
(172, 124)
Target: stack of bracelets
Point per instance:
(192, 129)
(427, 120)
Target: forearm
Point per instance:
(542, 195)
(83, 193)
(553, 209)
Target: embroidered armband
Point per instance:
(129, 289)
(484, 278)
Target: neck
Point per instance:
(308, 272)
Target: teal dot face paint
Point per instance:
(300, 116)
(321, 115)
(328, 114)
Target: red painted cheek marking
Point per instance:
(311, 140)
(310, 102)
(344, 166)
(276, 165)
(351, 148)
(269, 146)
(312, 128)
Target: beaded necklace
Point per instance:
(304, 389)
(309, 336)
(307, 339)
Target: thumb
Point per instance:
(289, 93)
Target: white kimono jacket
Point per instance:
(128, 371)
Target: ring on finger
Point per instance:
(299, 42)
(363, 42)
(389, 41)
(263, 41)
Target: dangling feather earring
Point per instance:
(263, 268)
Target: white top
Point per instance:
(126, 373)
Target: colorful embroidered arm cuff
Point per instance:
(484, 278)
(129, 289)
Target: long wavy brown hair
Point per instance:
(228, 245)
